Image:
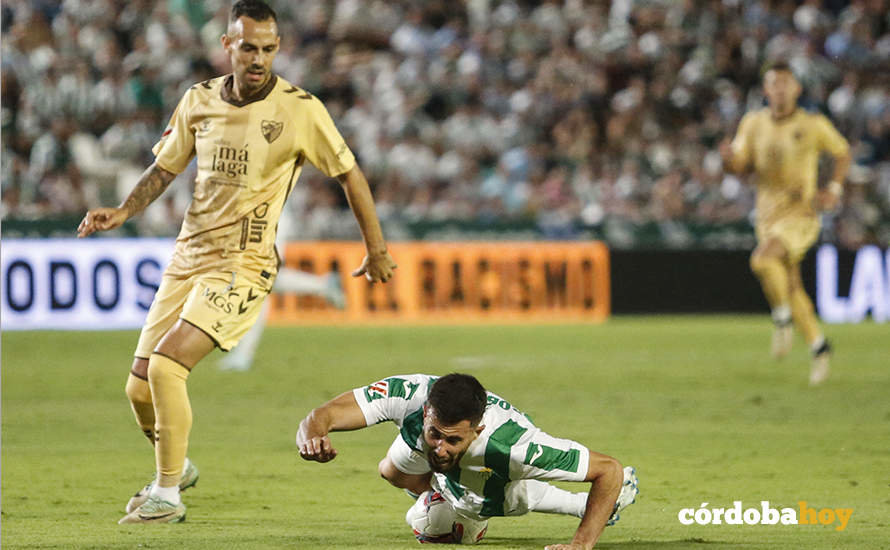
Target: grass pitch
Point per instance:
(694, 403)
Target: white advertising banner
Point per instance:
(869, 286)
(79, 284)
(97, 284)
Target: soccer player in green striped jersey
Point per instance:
(475, 451)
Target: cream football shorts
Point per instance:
(798, 234)
(222, 304)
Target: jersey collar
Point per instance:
(785, 118)
(225, 92)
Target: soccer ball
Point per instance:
(434, 520)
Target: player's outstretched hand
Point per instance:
(376, 267)
(101, 219)
(565, 547)
(318, 449)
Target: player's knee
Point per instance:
(610, 470)
(137, 390)
(615, 469)
(388, 471)
(756, 263)
(762, 262)
(161, 368)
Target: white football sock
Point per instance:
(782, 315)
(543, 497)
(241, 356)
(300, 282)
(170, 494)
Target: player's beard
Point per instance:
(442, 467)
(254, 85)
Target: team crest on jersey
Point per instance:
(379, 388)
(271, 130)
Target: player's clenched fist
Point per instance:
(318, 449)
(101, 219)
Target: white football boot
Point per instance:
(783, 338)
(820, 368)
(627, 496)
(156, 510)
(189, 479)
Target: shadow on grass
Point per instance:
(636, 544)
(692, 542)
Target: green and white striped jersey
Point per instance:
(510, 448)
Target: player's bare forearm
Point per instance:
(829, 198)
(377, 265)
(358, 193)
(151, 184)
(841, 167)
(339, 414)
(605, 474)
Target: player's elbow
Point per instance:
(349, 177)
(388, 471)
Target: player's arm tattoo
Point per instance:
(151, 184)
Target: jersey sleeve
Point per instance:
(175, 149)
(742, 143)
(325, 148)
(542, 456)
(393, 398)
(830, 140)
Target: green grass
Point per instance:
(693, 402)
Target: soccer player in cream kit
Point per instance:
(781, 145)
(251, 132)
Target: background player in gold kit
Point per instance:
(781, 145)
(251, 132)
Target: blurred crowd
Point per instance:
(575, 117)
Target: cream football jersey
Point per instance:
(249, 156)
(785, 157)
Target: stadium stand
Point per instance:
(558, 120)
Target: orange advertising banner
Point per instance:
(456, 282)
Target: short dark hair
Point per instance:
(255, 9)
(778, 65)
(457, 397)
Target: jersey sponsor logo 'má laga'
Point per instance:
(230, 161)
